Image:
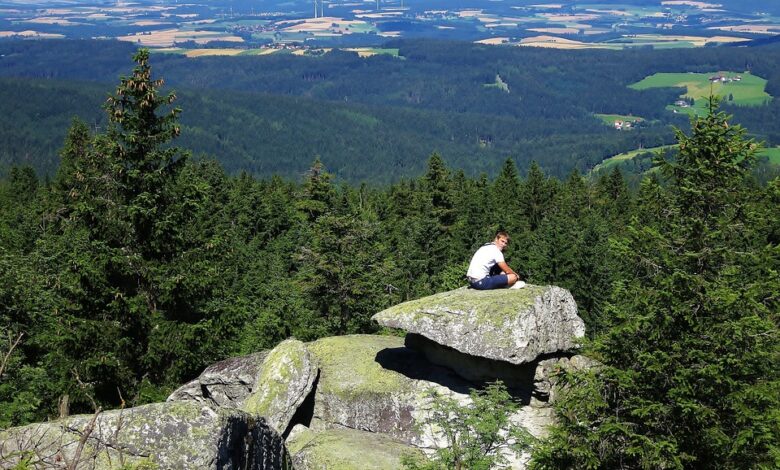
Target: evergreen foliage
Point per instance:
(477, 436)
(688, 376)
(135, 267)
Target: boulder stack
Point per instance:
(358, 401)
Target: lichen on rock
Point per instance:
(286, 379)
(374, 383)
(168, 435)
(512, 325)
(226, 383)
(348, 449)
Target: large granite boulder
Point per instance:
(226, 383)
(346, 449)
(511, 325)
(375, 384)
(161, 435)
(285, 380)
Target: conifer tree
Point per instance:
(688, 376)
(536, 196)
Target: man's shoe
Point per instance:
(518, 285)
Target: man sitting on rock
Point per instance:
(488, 270)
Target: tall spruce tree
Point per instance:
(109, 257)
(688, 375)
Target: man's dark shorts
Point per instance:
(491, 282)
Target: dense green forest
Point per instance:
(135, 266)
(377, 119)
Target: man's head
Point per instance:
(501, 240)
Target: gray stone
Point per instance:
(223, 384)
(174, 435)
(512, 325)
(286, 379)
(346, 449)
(476, 369)
(545, 383)
(375, 384)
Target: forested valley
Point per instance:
(377, 119)
(136, 265)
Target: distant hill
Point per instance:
(377, 118)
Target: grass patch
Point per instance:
(372, 51)
(773, 153)
(626, 156)
(498, 83)
(609, 119)
(748, 91)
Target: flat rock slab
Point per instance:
(160, 435)
(346, 449)
(512, 325)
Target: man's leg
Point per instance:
(492, 282)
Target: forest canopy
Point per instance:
(377, 119)
(136, 266)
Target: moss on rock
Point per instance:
(349, 449)
(170, 435)
(512, 325)
(350, 367)
(286, 378)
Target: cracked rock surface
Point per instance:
(226, 383)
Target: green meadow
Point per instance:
(773, 153)
(623, 157)
(610, 119)
(749, 91)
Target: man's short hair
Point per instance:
(501, 233)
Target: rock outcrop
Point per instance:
(346, 449)
(223, 384)
(160, 435)
(375, 384)
(511, 325)
(358, 401)
(285, 380)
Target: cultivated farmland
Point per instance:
(742, 89)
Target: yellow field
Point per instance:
(609, 12)
(569, 18)
(555, 30)
(697, 41)
(493, 41)
(51, 20)
(326, 23)
(749, 28)
(209, 52)
(690, 4)
(555, 42)
(148, 23)
(167, 37)
(30, 34)
(469, 13)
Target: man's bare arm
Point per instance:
(506, 269)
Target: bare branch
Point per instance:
(7, 357)
(73, 465)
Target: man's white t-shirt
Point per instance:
(484, 259)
